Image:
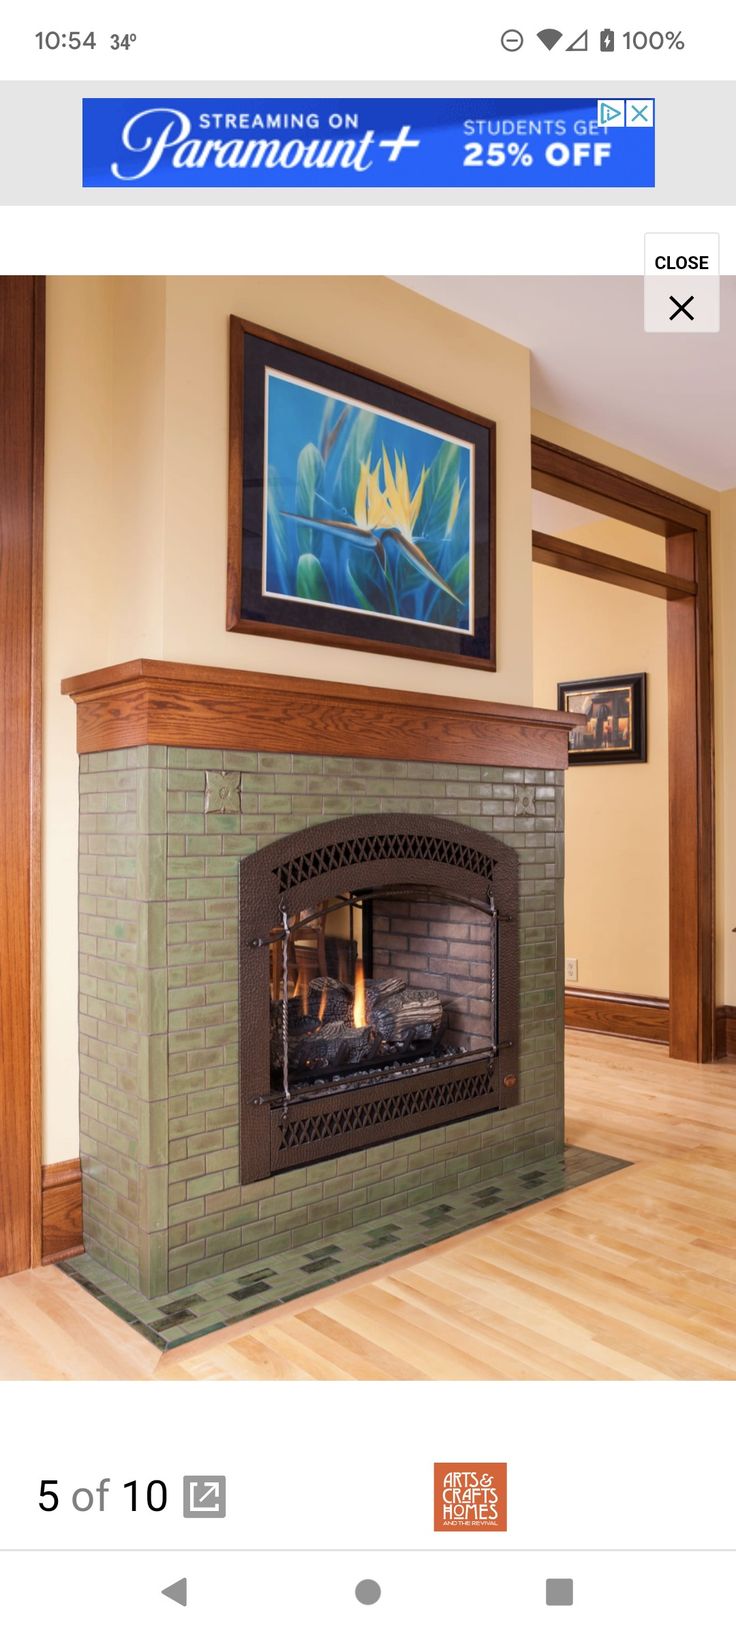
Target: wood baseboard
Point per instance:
(61, 1211)
(624, 1014)
(726, 1030)
(632, 1017)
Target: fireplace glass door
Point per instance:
(379, 985)
(370, 980)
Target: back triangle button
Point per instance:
(177, 1592)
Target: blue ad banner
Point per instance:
(367, 143)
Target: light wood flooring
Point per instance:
(631, 1277)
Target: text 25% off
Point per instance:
(556, 154)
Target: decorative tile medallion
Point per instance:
(525, 802)
(222, 792)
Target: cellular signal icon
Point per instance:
(608, 39)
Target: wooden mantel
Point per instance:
(149, 701)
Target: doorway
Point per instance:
(682, 583)
(21, 500)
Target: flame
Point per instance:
(322, 1006)
(359, 1016)
(301, 990)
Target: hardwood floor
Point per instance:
(631, 1277)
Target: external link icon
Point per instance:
(205, 1496)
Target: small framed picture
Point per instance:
(361, 511)
(615, 710)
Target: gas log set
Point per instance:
(336, 1026)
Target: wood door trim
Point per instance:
(686, 529)
(692, 785)
(610, 570)
(22, 325)
(558, 471)
(36, 763)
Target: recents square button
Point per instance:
(559, 1592)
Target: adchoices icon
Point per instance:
(612, 113)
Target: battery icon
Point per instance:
(607, 39)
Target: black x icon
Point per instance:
(681, 308)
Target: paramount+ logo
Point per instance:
(470, 1498)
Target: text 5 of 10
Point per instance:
(151, 1496)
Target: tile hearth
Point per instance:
(217, 1302)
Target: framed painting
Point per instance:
(615, 727)
(361, 511)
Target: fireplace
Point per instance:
(378, 986)
(393, 862)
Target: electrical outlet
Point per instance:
(571, 970)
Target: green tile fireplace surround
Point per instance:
(164, 823)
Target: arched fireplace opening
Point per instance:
(379, 986)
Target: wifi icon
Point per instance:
(549, 37)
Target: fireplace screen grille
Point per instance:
(302, 1131)
(392, 847)
(379, 983)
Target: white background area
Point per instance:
(315, 239)
(328, 1485)
(320, 1466)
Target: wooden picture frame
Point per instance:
(616, 711)
(361, 510)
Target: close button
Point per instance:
(682, 309)
(676, 307)
(681, 286)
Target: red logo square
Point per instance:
(470, 1498)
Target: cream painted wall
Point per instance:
(616, 866)
(136, 515)
(723, 514)
(102, 590)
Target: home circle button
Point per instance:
(367, 1592)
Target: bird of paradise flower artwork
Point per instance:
(365, 511)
